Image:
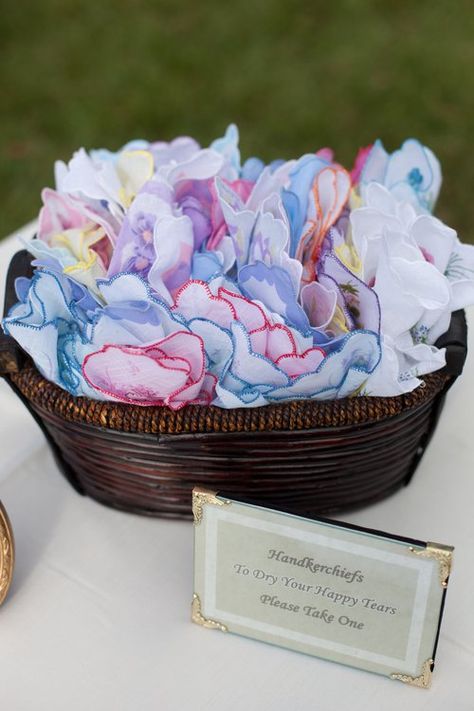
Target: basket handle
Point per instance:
(11, 355)
(455, 342)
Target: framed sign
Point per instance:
(351, 595)
(7, 554)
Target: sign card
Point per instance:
(351, 595)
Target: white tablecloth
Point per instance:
(99, 613)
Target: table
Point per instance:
(98, 617)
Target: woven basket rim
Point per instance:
(193, 419)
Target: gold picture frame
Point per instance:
(7, 554)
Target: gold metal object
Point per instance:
(7, 554)
(204, 496)
(199, 619)
(443, 554)
(423, 681)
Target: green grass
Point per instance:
(294, 76)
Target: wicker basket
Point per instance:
(308, 456)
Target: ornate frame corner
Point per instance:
(423, 681)
(7, 554)
(443, 554)
(204, 496)
(199, 619)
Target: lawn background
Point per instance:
(294, 76)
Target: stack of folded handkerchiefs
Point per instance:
(169, 274)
